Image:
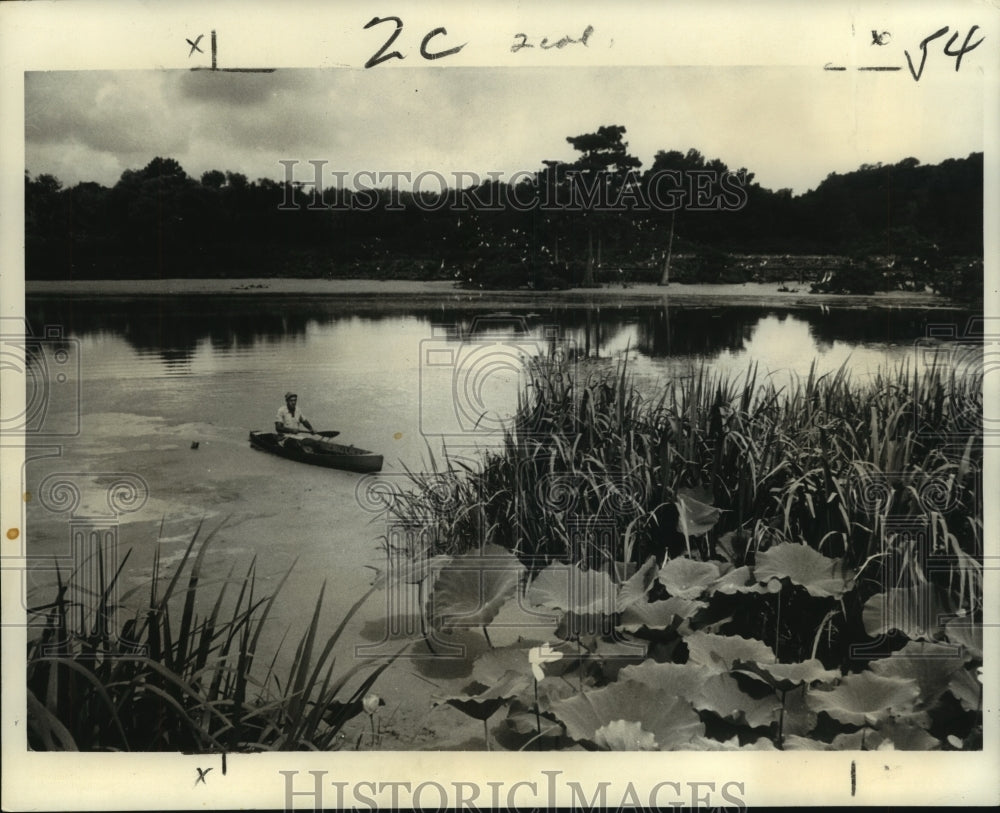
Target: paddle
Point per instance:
(329, 433)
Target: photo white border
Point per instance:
(87, 35)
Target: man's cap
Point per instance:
(290, 394)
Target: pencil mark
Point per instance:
(201, 775)
(521, 41)
(880, 68)
(854, 778)
(881, 37)
(215, 66)
(223, 763)
(194, 45)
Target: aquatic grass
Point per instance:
(191, 684)
(885, 473)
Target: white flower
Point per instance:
(539, 655)
(371, 702)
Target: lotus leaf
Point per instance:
(617, 654)
(635, 589)
(481, 702)
(681, 679)
(737, 580)
(967, 633)
(865, 739)
(966, 689)
(659, 614)
(732, 744)
(670, 719)
(569, 588)
(686, 578)
(865, 698)
(625, 735)
(798, 719)
(819, 575)
(785, 676)
(794, 742)
(719, 652)
(905, 736)
(722, 695)
(911, 611)
(695, 514)
(930, 665)
(471, 589)
(525, 722)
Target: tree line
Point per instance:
(923, 223)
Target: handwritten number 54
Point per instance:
(947, 49)
(381, 56)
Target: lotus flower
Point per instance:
(539, 655)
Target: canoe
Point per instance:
(329, 454)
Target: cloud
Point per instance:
(119, 113)
(790, 126)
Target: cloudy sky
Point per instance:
(791, 126)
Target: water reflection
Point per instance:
(179, 329)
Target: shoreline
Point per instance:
(444, 292)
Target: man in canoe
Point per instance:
(291, 422)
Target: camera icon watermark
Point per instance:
(473, 380)
(967, 355)
(49, 367)
(486, 586)
(93, 504)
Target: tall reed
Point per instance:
(177, 680)
(590, 469)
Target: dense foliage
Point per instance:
(159, 222)
(724, 566)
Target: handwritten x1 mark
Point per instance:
(201, 775)
(194, 47)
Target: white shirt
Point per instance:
(293, 422)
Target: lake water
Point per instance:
(148, 378)
(391, 377)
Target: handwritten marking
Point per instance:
(854, 778)
(223, 763)
(381, 56)
(965, 47)
(923, 52)
(947, 49)
(884, 38)
(215, 66)
(201, 775)
(194, 45)
(441, 31)
(378, 58)
(545, 45)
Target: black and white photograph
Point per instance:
(411, 406)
